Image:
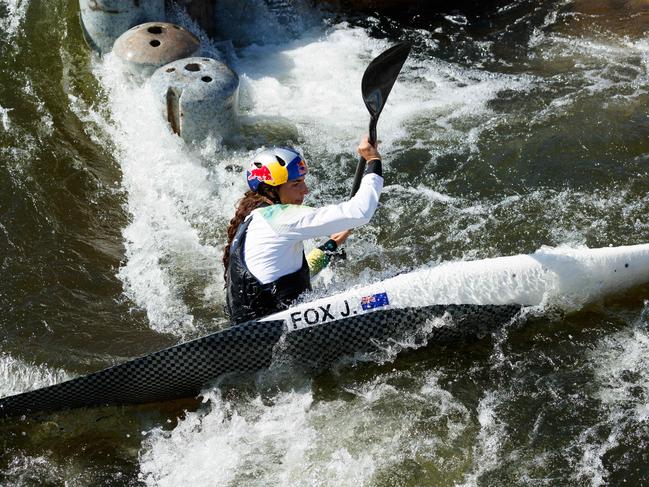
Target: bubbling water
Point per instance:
(18, 376)
(15, 12)
(294, 438)
(484, 155)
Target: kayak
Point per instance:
(564, 277)
(440, 304)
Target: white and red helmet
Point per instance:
(275, 166)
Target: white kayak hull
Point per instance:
(561, 277)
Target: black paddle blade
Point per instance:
(377, 82)
(380, 76)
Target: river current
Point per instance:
(514, 125)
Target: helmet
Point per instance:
(275, 166)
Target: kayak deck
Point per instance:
(186, 369)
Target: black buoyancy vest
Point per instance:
(249, 299)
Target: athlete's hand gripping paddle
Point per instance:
(378, 79)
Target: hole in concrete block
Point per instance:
(155, 42)
(207, 79)
(155, 29)
(193, 67)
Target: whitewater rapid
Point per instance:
(495, 144)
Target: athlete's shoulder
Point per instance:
(283, 212)
(284, 218)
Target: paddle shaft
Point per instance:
(360, 167)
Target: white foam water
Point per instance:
(17, 376)
(487, 450)
(602, 62)
(25, 470)
(620, 365)
(172, 200)
(292, 438)
(4, 117)
(16, 10)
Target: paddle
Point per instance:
(378, 80)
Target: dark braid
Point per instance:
(251, 200)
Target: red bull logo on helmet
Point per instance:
(260, 174)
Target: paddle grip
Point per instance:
(360, 167)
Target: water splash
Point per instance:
(621, 371)
(294, 438)
(12, 21)
(17, 376)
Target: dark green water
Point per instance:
(515, 125)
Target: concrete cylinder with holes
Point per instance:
(146, 47)
(103, 21)
(198, 97)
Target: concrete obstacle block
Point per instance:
(103, 21)
(146, 47)
(198, 97)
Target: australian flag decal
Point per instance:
(374, 301)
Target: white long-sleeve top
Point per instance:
(274, 242)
